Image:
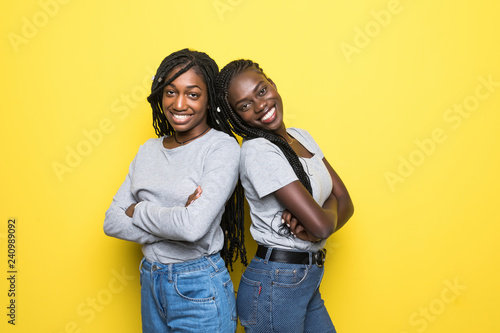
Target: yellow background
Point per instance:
(380, 85)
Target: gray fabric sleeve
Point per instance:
(311, 144)
(266, 168)
(117, 224)
(220, 174)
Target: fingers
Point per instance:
(130, 210)
(299, 228)
(286, 217)
(196, 194)
(293, 225)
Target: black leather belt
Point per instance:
(290, 257)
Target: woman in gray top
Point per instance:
(296, 202)
(179, 201)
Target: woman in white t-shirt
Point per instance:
(296, 202)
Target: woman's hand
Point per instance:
(196, 194)
(130, 210)
(297, 229)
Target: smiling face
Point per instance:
(185, 102)
(256, 100)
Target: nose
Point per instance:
(180, 103)
(260, 105)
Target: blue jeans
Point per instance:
(278, 297)
(193, 296)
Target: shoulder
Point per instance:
(301, 132)
(257, 146)
(221, 137)
(151, 144)
(306, 139)
(220, 141)
(260, 153)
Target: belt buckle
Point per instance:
(320, 258)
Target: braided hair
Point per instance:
(242, 129)
(232, 222)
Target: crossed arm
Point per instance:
(147, 221)
(310, 221)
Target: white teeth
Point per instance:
(269, 114)
(181, 116)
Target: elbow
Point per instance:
(326, 228)
(351, 211)
(325, 232)
(346, 211)
(347, 215)
(350, 208)
(110, 226)
(108, 229)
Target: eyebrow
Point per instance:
(188, 87)
(257, 87)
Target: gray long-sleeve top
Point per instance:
(160, 180)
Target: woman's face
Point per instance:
(185, 102)
(256, 100)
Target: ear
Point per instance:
(272, 82)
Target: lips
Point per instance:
(269, 115)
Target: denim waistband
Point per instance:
(214, 260)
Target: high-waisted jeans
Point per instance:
(280, 297)
(193, 296)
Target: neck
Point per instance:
(281, 131)
(185, 137)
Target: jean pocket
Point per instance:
(194, 287)
(247, 300)
(290, 277)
